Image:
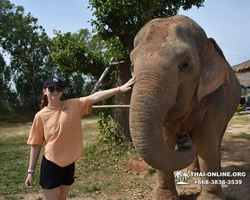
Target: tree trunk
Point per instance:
(121, 115)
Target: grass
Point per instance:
(242, 136)
(102, 161)
(14, 159)
(99, 172)
(239, 119)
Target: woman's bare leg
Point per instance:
(59, 193)
(64, 191)
(51, 194)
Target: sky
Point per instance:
(226, 21)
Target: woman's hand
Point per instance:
(126, 87)
(99, 96)
(34, 154)
(29, 181)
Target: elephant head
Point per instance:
(175, 68)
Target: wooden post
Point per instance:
(105, 72)
(100, 79)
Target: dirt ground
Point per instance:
(235, 158)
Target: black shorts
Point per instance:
(53, 176)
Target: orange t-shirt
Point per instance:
(61, 128)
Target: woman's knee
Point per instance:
(64, 191)
(51, 194)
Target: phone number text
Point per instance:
(218, 182)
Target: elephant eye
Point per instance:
(184, 65)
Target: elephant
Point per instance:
(184, 84)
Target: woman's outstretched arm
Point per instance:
(99, 96)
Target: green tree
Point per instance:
(116, 24)
(81, 52)
(6, 93)
(29, 49)
(76, 85)
(122, 20)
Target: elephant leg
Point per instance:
(224, 130)
(165, 185)
(208, 149)
(209, 191)
(194, 167)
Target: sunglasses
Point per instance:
(53, 88)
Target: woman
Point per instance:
(59, 125)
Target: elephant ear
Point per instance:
(214, 72)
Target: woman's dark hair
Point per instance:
(44, 101)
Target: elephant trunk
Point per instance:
(148, 112)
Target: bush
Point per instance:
(240, 108)
(107, 129)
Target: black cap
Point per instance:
(52, 81)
